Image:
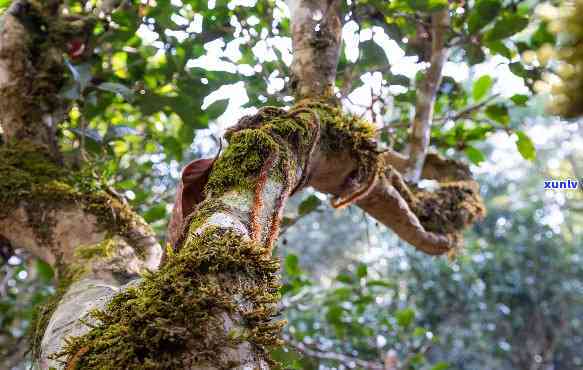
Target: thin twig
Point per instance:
(346, 360)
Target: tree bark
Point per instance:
(316, 36)
(426, 95)
(213, 303)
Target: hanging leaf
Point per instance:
(45, 271)
(292, 265)
(508, 25)
(498, 113)
(475, 155)
(217, 108)
(361, 271)
(481, 87)
(482, 14)
(525, 146)
(310, 204)
(475, 54)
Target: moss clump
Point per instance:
(241, 161)
(99, 250)
(174, 311)
(252, 142)
(449, 209)
(28, 176)
(340, 130)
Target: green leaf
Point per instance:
(405, 317)
(498, 113)
(361, 271)
(217, 108)
(344, 278)
(45, 271)
(419, 332)
(475, 155)
(518, 69)
(372, 54)
(509, 24)
(498, 47)
(475, 54)
(334, 314)
(481, 14)
(172, 147)
(89, 133)
(525, 146)
(120, 89)
(310, 204)
(155, 213)
(481, 87)
(519, 99)
(81, 74)
(4, 3)
(542, 36)
(440, 366)
(118, 132)
(427, 5)
(380, 283)
(399, 80)
(292, 265)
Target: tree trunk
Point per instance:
(213, 302)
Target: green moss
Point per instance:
(28, 176)
(289, 134)
(99, 250)
(151, 325)
(449, 209)
(241, 162)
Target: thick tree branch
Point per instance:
(316, 37)
(94, 240)
(426, 95)
(212, 304)
(30, 70)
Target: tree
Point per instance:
(212, 302)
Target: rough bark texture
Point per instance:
(31, 68)
(316, 37)
(212, 304)
(95, 242)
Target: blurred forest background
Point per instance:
(163, 83)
